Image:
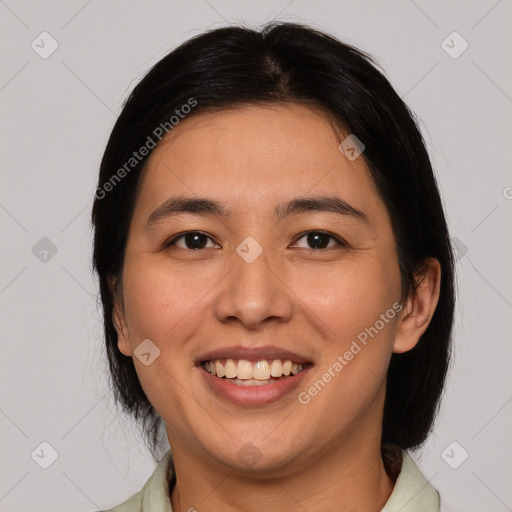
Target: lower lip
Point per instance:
(253, 395)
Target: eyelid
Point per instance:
(336, 238)
(177, 236)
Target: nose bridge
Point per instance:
(252, 292)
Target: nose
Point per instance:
(254, 294)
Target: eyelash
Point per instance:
(339, 241)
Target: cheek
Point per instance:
(164, 307)
(350, 298)
(356, 312)
(352, 306)
(160, 302)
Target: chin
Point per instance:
(256, 455)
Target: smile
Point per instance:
(246, 373)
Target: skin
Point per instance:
(323, 455)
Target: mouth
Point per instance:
(252, 376)
(243, 372)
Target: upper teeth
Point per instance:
(244, 370)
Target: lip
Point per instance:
(253, 395)
(252, 354)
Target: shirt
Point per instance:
(412, 491)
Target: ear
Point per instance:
(419, 308)
(118, 317)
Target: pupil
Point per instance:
(195, 240)
(318, 240)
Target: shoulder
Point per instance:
(412, 491)
(133, 504)
(154, 496)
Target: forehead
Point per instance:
(256, 153)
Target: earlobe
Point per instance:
(419, 308)
(118, 319)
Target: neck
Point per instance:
(348, 477)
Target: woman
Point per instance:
(276, 277)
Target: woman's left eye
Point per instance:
(319, 240)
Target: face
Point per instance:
(293, 259)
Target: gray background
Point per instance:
(56, 116)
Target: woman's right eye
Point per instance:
(193, 240)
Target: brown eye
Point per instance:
(319, 240)
(192, 240)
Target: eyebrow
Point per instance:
(210, 207)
